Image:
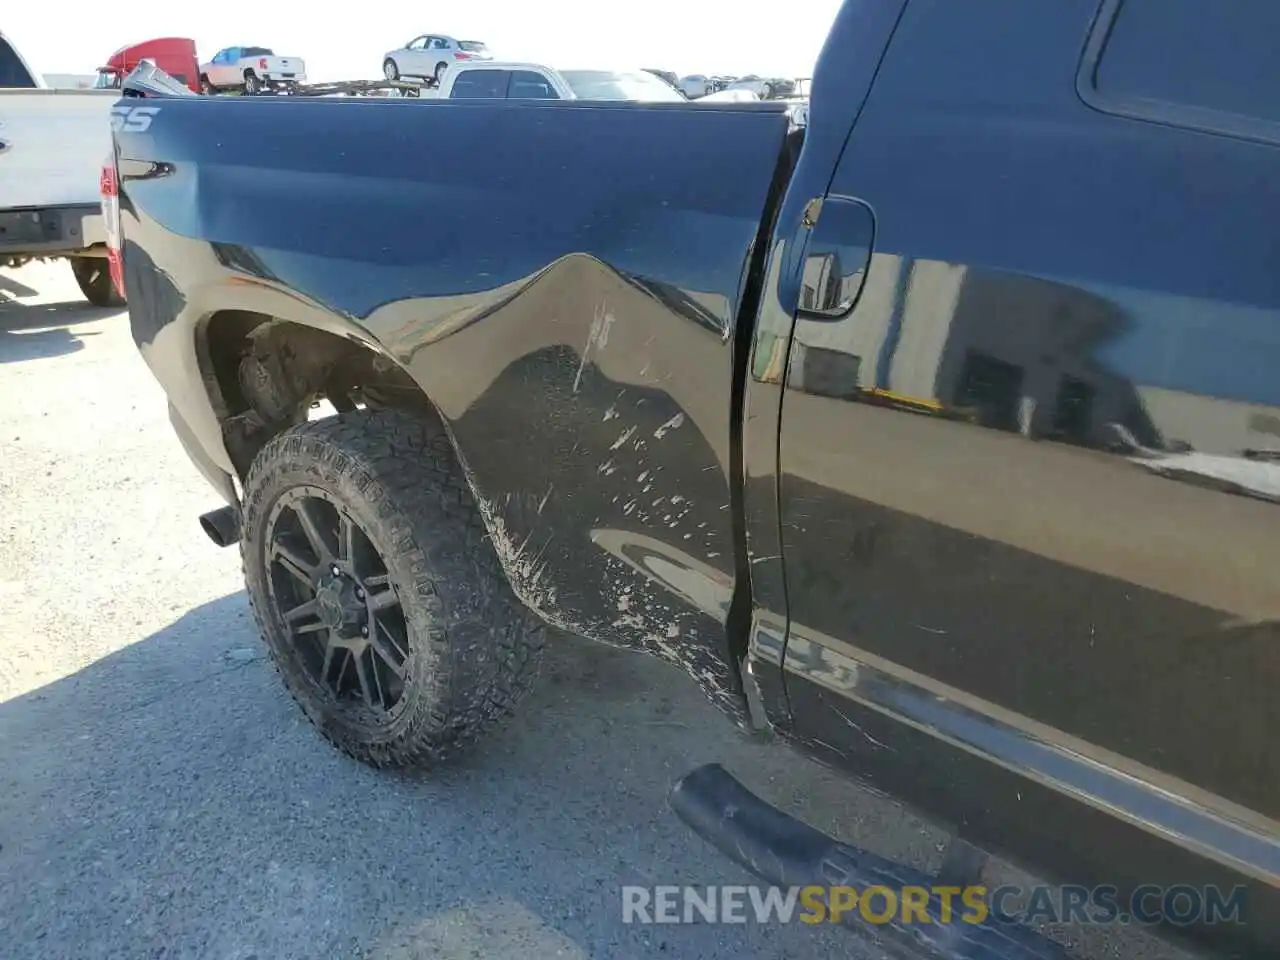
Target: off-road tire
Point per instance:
(93, 275)
(473, 647)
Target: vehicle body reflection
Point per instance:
(1027, 484)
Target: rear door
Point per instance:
(1030, 433)
(530, 85)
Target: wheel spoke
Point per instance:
(376, 675)
(383, 601)
(331, 651)
(399, 645)
(302, 611)
(314, 530)
(288, 558)
(387, 650)
(295, 619)
(347, 544)
(362, 677)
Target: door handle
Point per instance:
(836, 257)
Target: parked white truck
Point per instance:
(51, 147)
(251, 70)
(492, 79)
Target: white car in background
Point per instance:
(251, 69)
(533, 81)
(695, 85)
(430, 55)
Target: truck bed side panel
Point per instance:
(562, 280)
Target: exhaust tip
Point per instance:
(222, 526)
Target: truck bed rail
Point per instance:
(349, 88)
(148, 80)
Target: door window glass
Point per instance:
(527, 85)
(480, 85)
(12, 71)
(1203, 54)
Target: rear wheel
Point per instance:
(93, 274)
(252, 85)
(206, 86)
(373, 581)
(390, 70)
(439, 74)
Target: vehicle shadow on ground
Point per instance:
(30, 331)
(15, 288)
(171, 798)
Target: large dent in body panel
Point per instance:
(585, 403)
(577, 291)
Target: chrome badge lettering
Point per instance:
(129, 119)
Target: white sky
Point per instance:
(768, 37)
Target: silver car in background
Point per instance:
(430, 55)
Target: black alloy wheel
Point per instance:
(333, 596)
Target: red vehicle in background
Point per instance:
(176, 56)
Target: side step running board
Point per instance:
(786, 852)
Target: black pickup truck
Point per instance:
(941, 436)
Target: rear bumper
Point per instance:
(50, 231)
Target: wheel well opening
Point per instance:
(264, 375)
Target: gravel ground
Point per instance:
(160, 794)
